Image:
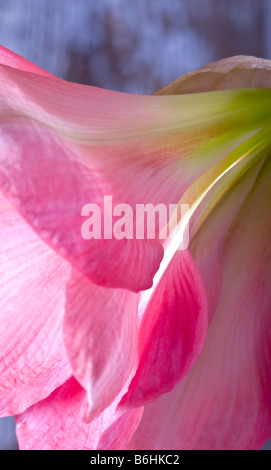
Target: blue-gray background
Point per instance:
(134, 46)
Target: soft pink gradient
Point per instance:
(89, 359)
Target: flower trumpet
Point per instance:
(131, 342)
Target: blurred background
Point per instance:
(134, 46)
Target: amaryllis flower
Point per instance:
(133, 343)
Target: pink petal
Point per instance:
(100, 334)
(51, 199)
(224, 402)
(13, 60)
(175, 321)
(32, 282)
(172, 332)
(233, 72)
(208, 242)
(118, 435)
(57, 423)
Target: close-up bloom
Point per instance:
(132, 342)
